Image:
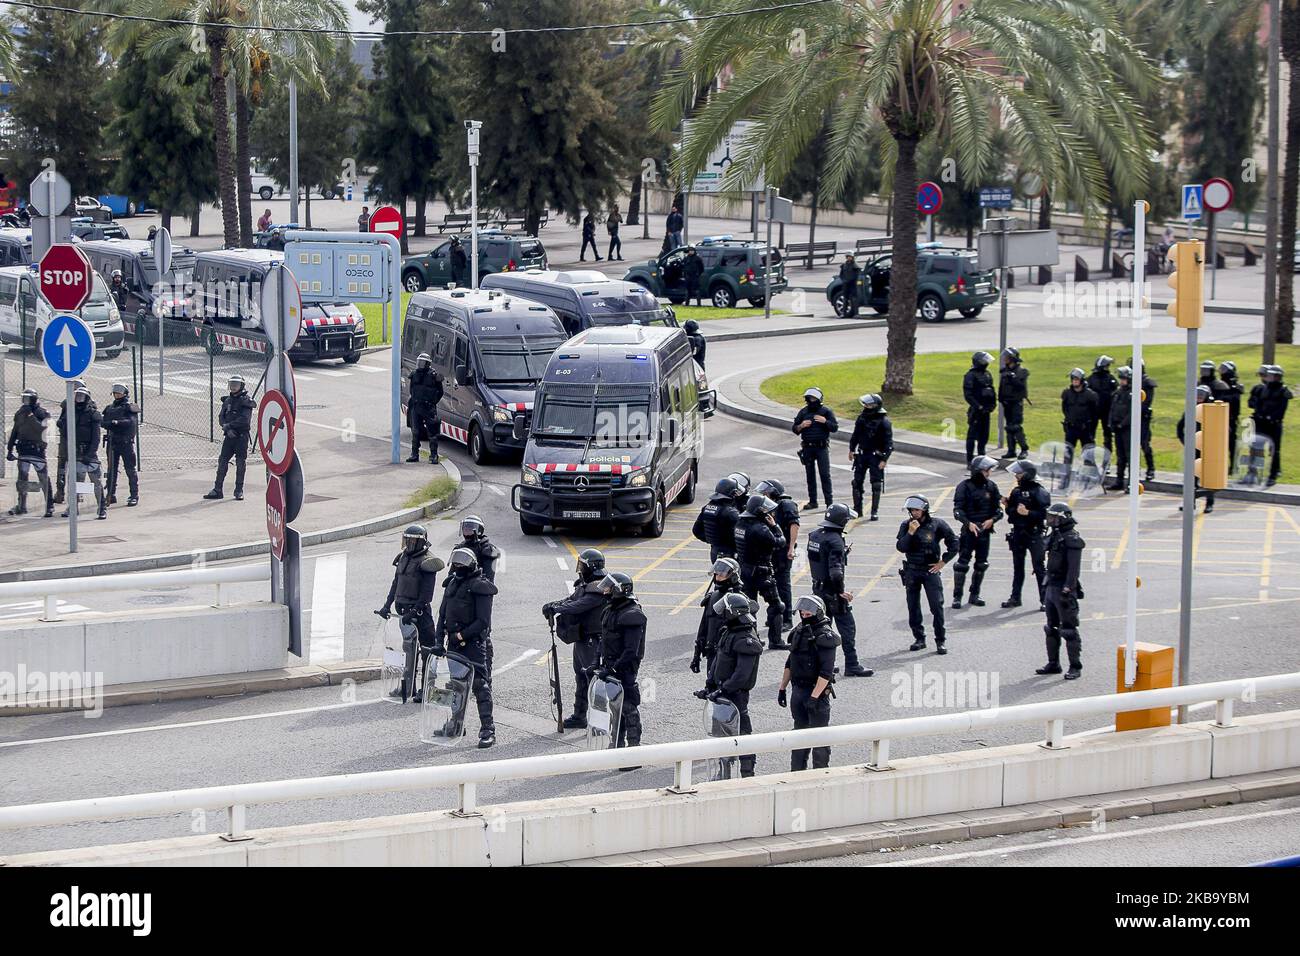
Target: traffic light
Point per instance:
(1188, 282)
(1212, 444)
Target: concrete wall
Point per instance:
(151, 645)
(581, 827)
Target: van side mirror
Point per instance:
(464, 375)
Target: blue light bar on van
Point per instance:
(708, 239)
(637, 358)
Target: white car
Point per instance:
(24, 313)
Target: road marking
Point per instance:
(328, 607)
(516, 662)
(550, 542)
(1094, 838)
(560, 561)
(889, 470)
(496, 491)
(1265, 561)
(661, 559)
(331, 373)
(368, 368)
(25, 608)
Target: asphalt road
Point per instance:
(1247, 582)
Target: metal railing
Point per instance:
(466, 777)
(51, 589)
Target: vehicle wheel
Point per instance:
(840, 303)
(676, 301)
(36, 342)
(723, 297)
(971, 313)
(112, 355)
(352, 359)
(412, 281)
(687, 495)
(478, 446)
(931, 307)
(266, 192)
(654, 528)
(130, 209)
(326, 192)
(529, 528)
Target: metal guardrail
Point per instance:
(467, 776)
(50, 589)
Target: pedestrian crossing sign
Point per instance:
(1193, 205)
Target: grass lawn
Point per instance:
(937, 407)
(703, 313)
(439, 487)
(373, 313)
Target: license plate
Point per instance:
(582, 514)
(99, 340)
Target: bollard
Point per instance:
(1155, 669)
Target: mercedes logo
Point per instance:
(582, 483)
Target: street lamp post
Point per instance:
(293, 151)
(472, 128)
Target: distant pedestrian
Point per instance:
(692, 273)
(363, 220)
(459, 262)
(425, 392)
(27, 437)
(264, 221)
(1268, 401)
(850, 275)
(588, 238)
(675, 224)
(612, 222)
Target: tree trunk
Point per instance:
(900, 360)
(970, 235)
(166, 217)
(402, 237)
(812, 215)
(221, 137)
(1105, 240)
(306, 194)
(634, 203)
(194, 221)
(1045, 211)
(420, 204)
(243, 167)
(1290, 186)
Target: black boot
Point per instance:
(958, 585)
(487, 737)
(1053, 642)
(575, 722)
(876, 488)
(857, 670)
(918, 644)
(213, 495)
(1074, 650)
(976, 581)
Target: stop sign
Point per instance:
(388, 220)
(275, 523)
(65, 277)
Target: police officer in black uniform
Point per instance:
(1026, 508)
(236, 420)
(465, 627)
(814, 424)
(422, 407)
(716, 523)
(927, 544)
(757, 539)
(117, 289)
(474, 534)
(810, 668)
(415, 576)
(1148, 410)
(1268, 401)
(1064, 558)
(27, 438)
(1080, 414)
(828, 560)
(1121, 418)
(1013, 392)
(850, 276)
(787, 520)
(577, 622)
(726, 580)
(89, 434)
(121, 419)
(1105, 385)
(1232, 392)
(977, 506)
(698, 345)
(1209, 378)
(622, 646)
(1203, 394)
(735, 666)
(981, 403)
(62, 425)
(870, 446)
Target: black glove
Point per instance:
(780, 697)
(715, 696)
(385, 612)
(703, 693)
(438, 650)
(548, 611)
(9, 456)
(695, 664)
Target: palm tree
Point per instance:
(1285, 303)
(1058, 75)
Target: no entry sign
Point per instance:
(388, 220)
(65, 277)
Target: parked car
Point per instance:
(122, 207)
(15, 246)
(498, 251)
(93, 208)
(25, 314)
(273, 238)
(946, 279)
(734, 269)
(84, 228)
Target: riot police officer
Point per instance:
(1013, 392)
(1121, 420)
(927, 544)
(1268, 401)
(1203, 395)
(735, 667)
(1026, 508)
(814, 424)
(622, 646)
(117, 289)
(981, 403)
(716, 523)
(870, 446)
(27, 438)
(1232, 392)
(89, 434)
(62, 425)
(850, 279)
(726, 580)
(977, 506)
(236, 420)
(473, 533)
(828, 559)
(415, 576)
(810, 668)
(757, 539)
(787, 520)
(577, 622)
(1064, 558)
(1209, 378)
(742, 488)
(1080, 413)
(121, 419)
(422, 407)
(1105, 385)
(1148, 411)
(698, 345)
(465, 627)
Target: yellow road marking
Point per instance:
(1265, 561)
(661, 559)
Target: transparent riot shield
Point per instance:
(722, 719)
(604, 712)
(1088, 471)
(1054, 466)
(388, 638)
(1254, 461)
(448, 685)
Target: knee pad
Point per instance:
(981, 566)
(1051, 631)
(961, 567)
(1070, 633)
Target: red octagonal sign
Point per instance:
(65, 277)
(275, 515)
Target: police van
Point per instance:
(616, 434)
(25, 314)
(491, 349)
(147, 293)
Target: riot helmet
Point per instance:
(813, 396)
(415, 539)
(1228, 370)
(471, 526)
(1104, 361)
(616, 584)
(1203, 393)
(1207, 369)
(29, 397)
(591, 564)
(1124, 373)
(838, 515)
(916, 503)
(982, 463)
(729, 568)
(235, 384)
(759, 505)
(726, 487)
(82, 395)
(812, 606)
(423, 361)
(981, 359)
(871, 402)
(119, 390)
(462, 562)
(735, 606)
(1077, 373)
(1058, 513)
(1024, 470)
(691, 327)
(770, 487)
(742, 483)
(1010, 356)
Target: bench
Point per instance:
(874, 244)
(1249, 254)
(1118, 270)
(812, 250)
(454, 220)
(509, 220)
(1220, 261)
(1080, 271)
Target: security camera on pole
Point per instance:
(471, 141)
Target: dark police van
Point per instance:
(616, 432)
(490, 349)
(145, 298)
(583, 298)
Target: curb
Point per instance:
(830, 326)
(921, 445)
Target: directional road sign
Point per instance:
(65, 277)
(1193, 201)
(929, 198)
(68, 346)
(995, 197)
(275, 432)
(162, 252)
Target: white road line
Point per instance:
(331, 373)
(889, 470)
(168, 386)
(550, 542)
(497, 490)
(299, 377)
(1095, 838)
(516, 662)
(370, 368)
(560, 561)
(328, 607)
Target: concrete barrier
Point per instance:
(582, 827)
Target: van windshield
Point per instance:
(181, 271)
(657, 317)
(605, 424)
(507, 359)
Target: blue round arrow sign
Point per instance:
(68, 346)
